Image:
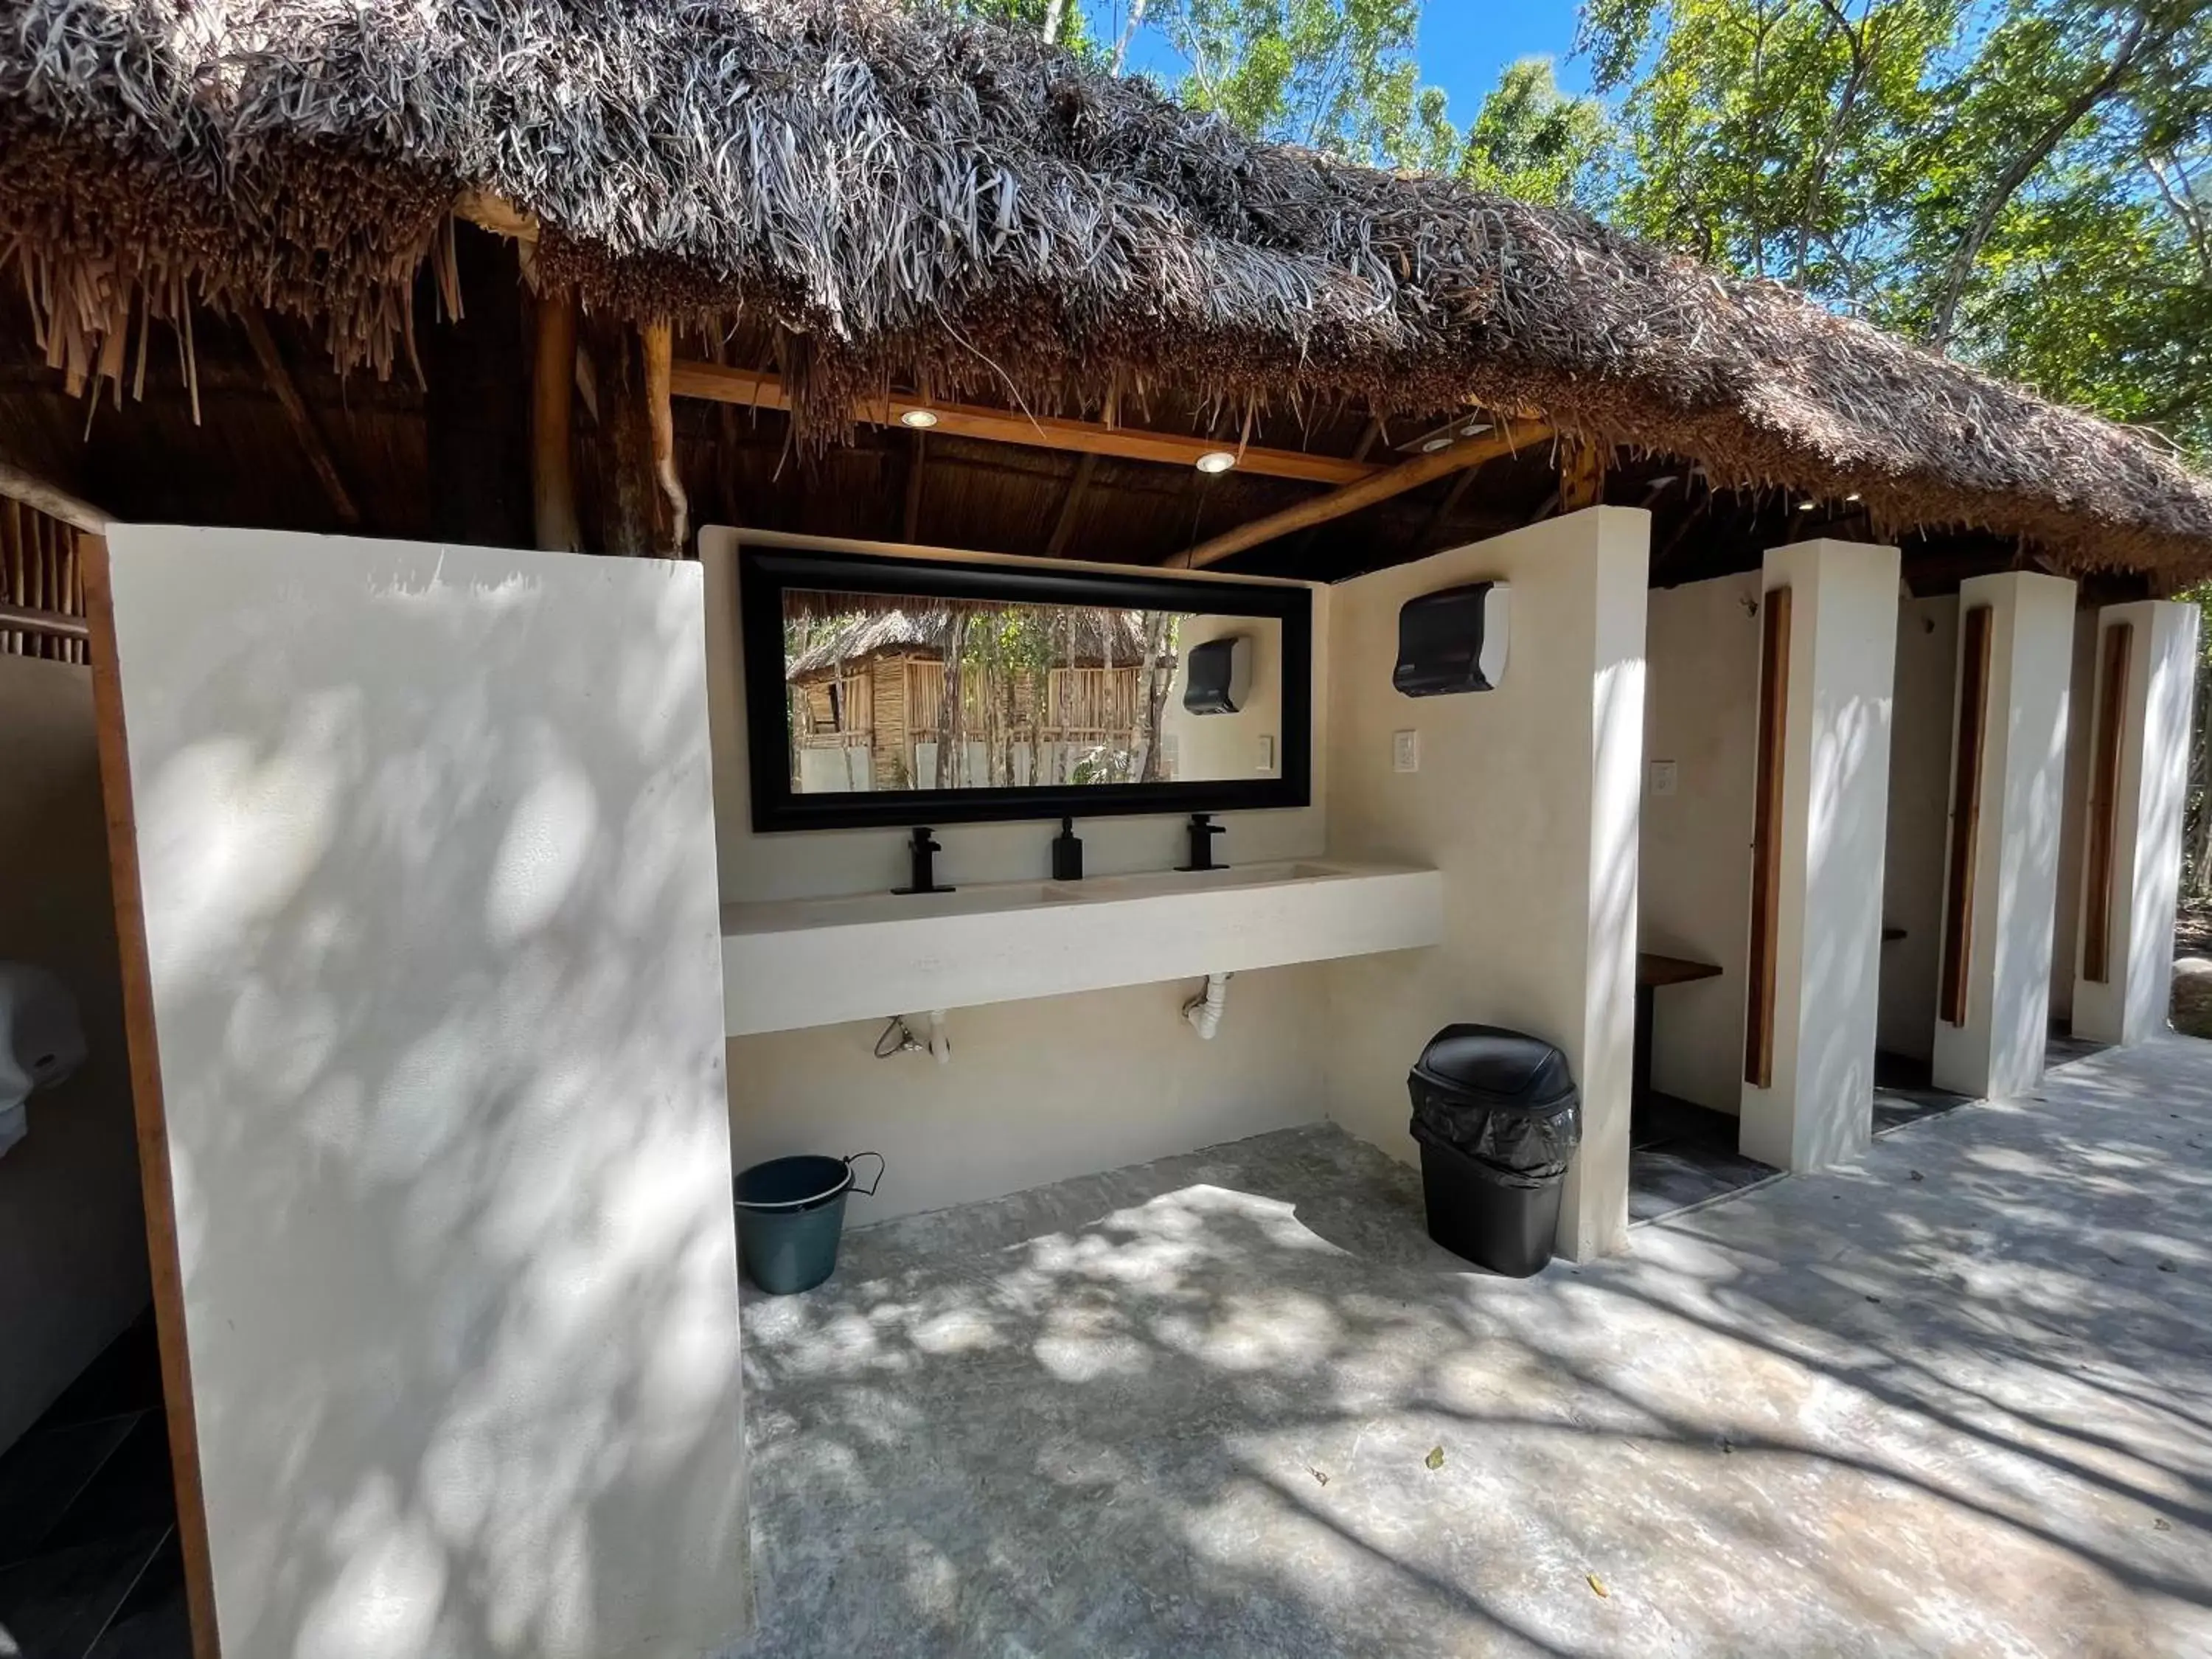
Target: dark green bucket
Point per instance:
(790, 1212)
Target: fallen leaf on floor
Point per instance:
(1916, 1175)
(2163, 1524)
(1435, 1459)
(2167, 1267)
(1874, 1298)
(1317, 1475)
(1597, 1583)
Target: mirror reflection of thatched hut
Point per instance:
(1046, 693)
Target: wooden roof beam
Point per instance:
(321, 461)
(720, 383)
(17, 485)
(1508, 437)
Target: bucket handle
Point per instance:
(868, 1191)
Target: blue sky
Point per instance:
(1463, 45)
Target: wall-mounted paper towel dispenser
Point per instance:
(1452, 640)
(1218, 680)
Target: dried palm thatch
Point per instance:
(907, 197)
(1092, 635)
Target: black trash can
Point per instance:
(1497, 1117)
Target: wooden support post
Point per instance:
(629, 485)
(320, 458)
(552, 463)
(1953, 988)
(1392, 481)
(1766, 841)
(2118, 644)
(657, 339)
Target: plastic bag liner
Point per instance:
(1502, 1098)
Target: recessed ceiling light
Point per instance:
(1435, 444)
(1853, 497)
(1215, 461)
(1807, 506)
(920, 419)
(1474, 428)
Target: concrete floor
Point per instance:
(1955, 1398)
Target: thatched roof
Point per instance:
(1099, 636)
(909, 197)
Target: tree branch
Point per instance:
(2023, 167)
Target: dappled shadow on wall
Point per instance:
(433, 933)
(1966, 1410)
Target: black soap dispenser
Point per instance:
(1067, 853)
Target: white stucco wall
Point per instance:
(1527, 799)
(1701, 712)
(1998, 1050)
(1920, 738)
(72, 1238)
(1843, 638)
(1035, 1091)
(2131, 1004)
(431, 921)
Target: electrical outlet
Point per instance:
(1663, 777)
(1406, 751)
(1266, 754)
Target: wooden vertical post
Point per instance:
(1966, 815)
(628, 485)
(1766, 840)
(2104, 803)
(552, 391)
(657, 340)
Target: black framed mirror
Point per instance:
(896, 691)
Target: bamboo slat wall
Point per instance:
(40, 570)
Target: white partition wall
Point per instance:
(1526, 798)
(1997, 1049)
(427, 1033)
(1835, 794)
(2128, 1001)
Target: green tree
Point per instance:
(2022, 184)
(1531, 140)
(1337, 75)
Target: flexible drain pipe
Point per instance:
(1203, 1012)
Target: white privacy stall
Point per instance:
(423, 971)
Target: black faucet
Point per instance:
(923, 850)
(1203, 829)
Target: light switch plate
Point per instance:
(1406, 751)
(1663, 777)
(1266, 754)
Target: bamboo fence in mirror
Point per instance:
(885, 692)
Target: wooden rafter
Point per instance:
(1070, 506)
(720, 383)
(320, 458)
(18, 485)
(1380, 487)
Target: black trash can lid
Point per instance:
(1497, 1064)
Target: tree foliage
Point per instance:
(2027, 184)
(2022, 182)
